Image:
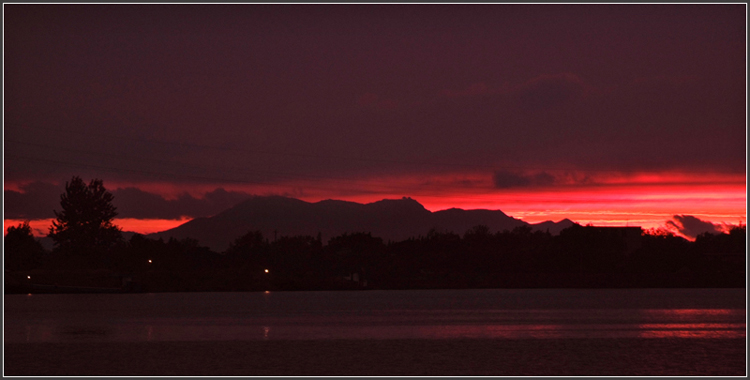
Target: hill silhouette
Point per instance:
(390, 219)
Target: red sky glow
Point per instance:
(646, 200)
(608, 114)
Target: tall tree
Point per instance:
(85, 224)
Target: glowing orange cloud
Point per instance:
(602, 198)
(647, 200)
(644, 199)
(40, 227)
(149, 226)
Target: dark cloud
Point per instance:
(372, 101)
(37, 200)
(690, 226)
(139, 93)
(135, 203)
(475, 89)
(547, 91)
(506, 180)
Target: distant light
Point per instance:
(267, 292)
(266, 270)
(29, 277)
(149, 261)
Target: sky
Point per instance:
(608, 114)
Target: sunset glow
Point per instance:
(641, 199)
(40, 227)
(607, 126)
(561, 189)
(147, 226)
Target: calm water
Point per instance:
(377, 315)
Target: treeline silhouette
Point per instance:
(580, 256)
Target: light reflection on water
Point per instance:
(49, 319)
(240, 331)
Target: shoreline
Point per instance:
(187, 282)
(51, 289)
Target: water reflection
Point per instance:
(188, 317)
(524, 331)
(692, 333)
(599, 331)
(692, 330)
(239, 331)
(691, 313)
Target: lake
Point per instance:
(443, 332)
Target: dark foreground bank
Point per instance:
(547, 357)
(579, 257)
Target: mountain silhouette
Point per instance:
(389, 219)
(553, 228)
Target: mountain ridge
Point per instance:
(389, 219)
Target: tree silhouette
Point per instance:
(247, 244)
(84, 226)
(22, 250)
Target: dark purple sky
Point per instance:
(254, 94)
